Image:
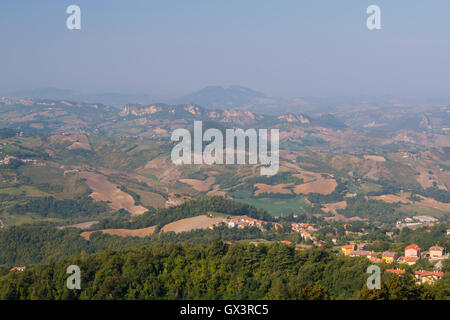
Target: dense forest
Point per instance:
(214, 271)
(31, 244)
(82, 206)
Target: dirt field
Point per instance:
(170, 175)
(393, 198)
(188, 224)
(81, 142)
(200, 185)
(307, 176)
(322, 186)
(375, 158)
(314, 182)
(78, 141)
(279, 188)
(176, 200)
(431, 203)
(403, 198)
(373, 169)
(157, 163)
(141, 233)
(333, 207)
(103, 190)
(83, 225)
(216, 192)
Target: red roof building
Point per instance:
(410, 260)
(375, 260)
(423, 276)
(396, 271)
(21, 269)
(412, 250)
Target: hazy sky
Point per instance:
(283, 47)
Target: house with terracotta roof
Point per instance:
(21, 269)
(375, 260)
(389, 257)
(413, 250)
(347, 249)
(448, 232)
(429, 277)
(436, 252)
(410, 260)
(396, 271)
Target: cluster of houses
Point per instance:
(305, 230)
(417, 221)
(421, 276)
(240, 223)
(412, 254)
(7, 159)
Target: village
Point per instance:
(412, 254)
(241, 222)
(8, 159)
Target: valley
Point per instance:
(88, 177)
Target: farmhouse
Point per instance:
(389, 257)
(429, 277)
(412, 250)
(436, 252)
(410, 260)
(347, 249)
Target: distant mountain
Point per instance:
(111, 98)
(217, 97)
(231, 117)
(47, 115)
(243, 98)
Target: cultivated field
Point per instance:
(103, 190)
(279, 188)
(200, 185)
(144, 232)
(188, 224)
(333, 207)
(403, 198)
(83, 225)
(322, 186)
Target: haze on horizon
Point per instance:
(173, 47)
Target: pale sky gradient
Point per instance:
(283, 47)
